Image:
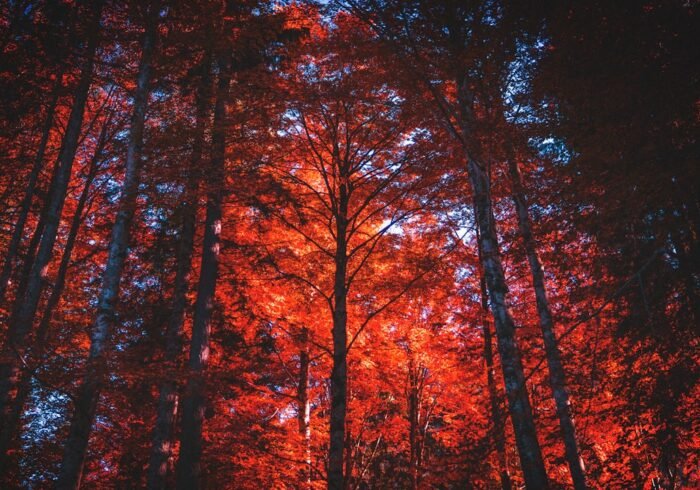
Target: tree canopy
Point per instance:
(351, 244)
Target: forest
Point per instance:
(349, 244)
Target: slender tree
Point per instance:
(21, 323)
(189, 472)
(25, 205)
(304, 404)
(34, 357)
(163, 432)
(557, 375)
(96, 369)
(453, 28)
(497, 416)
(360, 179)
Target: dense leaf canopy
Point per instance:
(350, 244)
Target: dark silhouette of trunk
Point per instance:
(529, 450)
(163, 431)
(339, 374)
(30, 256)
(419, 415)
(349, 461)
(27, 303)
(414, 395)
(557, 376)
(497, 417)
(189, 473)
(499, 434)
(304, 408)
(95, 372)
(26, 204)
(30, 253)
(10, 428)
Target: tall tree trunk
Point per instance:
(529, 450)
(13, 412)
(88, 393)
(304, 408)
(339, 374)
(29, 257)
(518, 401)
(27, 303)
(414, 422)
(497, 418)
(499, 434)
(31, 251)
(349, 460)
(189, 473)
(557, 376)
(163, 431)
(26, 204)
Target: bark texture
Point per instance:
(189, 471)
(518, 401)
(529, 450)
(497, 416)
(168, 400)
(418, 422)
(557, 375)
(304, 408)
(339, 373)
(96, 370)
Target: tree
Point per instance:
(96, 369)
(272, 244)
(26, 303)
(464, 34)
(629, 162)
(359, 177)
(163, 438)
(10, 426)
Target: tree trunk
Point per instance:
(7, 403)
(88, 393)
(518, 401)
(529, 450)
(10, 427)
(30, 254)
(26, 204)
(339, 374)
(27, 303)
(189, 473)
(499, 434)
(414, 421)
(163, 432)
(557, 376)
(304, 409)
(349, 460)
